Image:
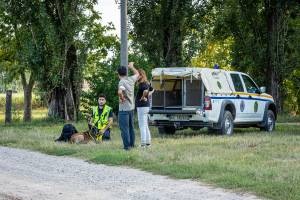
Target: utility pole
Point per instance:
(124, 36)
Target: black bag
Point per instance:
(66, 133)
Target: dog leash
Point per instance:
(96, 138)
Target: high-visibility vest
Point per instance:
(101, 121)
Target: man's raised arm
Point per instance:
(131, 67)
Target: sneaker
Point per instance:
(148, 145)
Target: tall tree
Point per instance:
(277, 16)
(259, 29)
(52, 42)
(164, 29)
(17, 22)
(71, 28)
(64, 20)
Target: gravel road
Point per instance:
(31, 175)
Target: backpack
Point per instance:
(66, 133)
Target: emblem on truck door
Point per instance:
(219, 85)
(255, 106)
(242, 106)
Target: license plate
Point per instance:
(179, 117)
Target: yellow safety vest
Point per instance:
(101, 121)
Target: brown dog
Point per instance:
(83, 138)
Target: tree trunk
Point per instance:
(56, 103)
(276, 35)
(27, 88)
(64, 97)
(8, 105)
(64, 101)
(61, 104)
(27, 104)
(172, 33)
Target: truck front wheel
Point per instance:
(269, 124)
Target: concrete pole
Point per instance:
(124, 36)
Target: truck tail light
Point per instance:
(207, 103)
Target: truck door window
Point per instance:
(250, 85)
(237, 82)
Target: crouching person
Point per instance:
(101, 120)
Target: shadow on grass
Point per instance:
(282, 129)
(204, 132)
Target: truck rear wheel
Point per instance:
(226, 124)
(166, 130)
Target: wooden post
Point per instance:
(8, 106)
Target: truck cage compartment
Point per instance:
(177, 93)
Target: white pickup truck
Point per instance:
(214, 98)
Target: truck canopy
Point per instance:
(214, 80)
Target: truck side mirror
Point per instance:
(262, 89)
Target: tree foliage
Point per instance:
(262, 39)
(167, 31)
(51, 40)
(55, 45)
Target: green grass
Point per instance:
(265, 164)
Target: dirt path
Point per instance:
(31, 175)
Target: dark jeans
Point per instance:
(127, 129)
(106, 135)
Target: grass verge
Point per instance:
(252, 161)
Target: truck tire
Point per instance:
(226, 124)
(269, 122)
(170, 130)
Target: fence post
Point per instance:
(8, 106)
